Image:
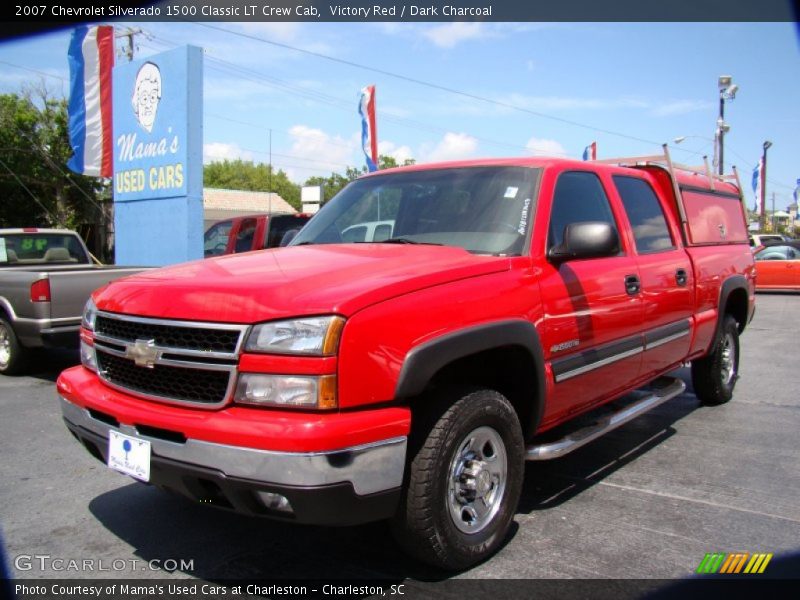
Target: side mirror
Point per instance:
(591, 239)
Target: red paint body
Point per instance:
(396, 297)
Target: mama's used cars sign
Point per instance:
(158, 168)
(152, 117)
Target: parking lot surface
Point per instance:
(649, 500)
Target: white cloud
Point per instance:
(452, 34)
(453, 146)
(317, 152)
(544, 147)
(218, 151)
(399, 153)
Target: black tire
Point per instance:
(459, 500)
(13, 355)
(714, 376)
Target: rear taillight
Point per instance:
(40, 291)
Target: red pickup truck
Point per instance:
(409, 379)
(252, 232)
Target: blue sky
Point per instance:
(628, 86)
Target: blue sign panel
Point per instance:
(158, 168)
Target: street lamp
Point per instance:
(763, 216)
(727, 91)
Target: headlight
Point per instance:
(289, 391)
(88, 356)
(89, 315)
(315, 336)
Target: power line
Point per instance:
(431, 85)
(341, 103)
(43, 73)
(337, 102)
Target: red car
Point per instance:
(778, 267)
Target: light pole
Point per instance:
(727, 91)
(763, 216)
(683, 138)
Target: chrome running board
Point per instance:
(667, 388)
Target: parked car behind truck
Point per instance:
(46, 276)
(409, 379)
(253, 232)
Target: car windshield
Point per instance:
(34, 248)
(215, 240)
(485, 210)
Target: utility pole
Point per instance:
(727, 91)
(130, 48)
(773, 213)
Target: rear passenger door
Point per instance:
(666, 276)
(592, 307)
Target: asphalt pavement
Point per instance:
(647, 501)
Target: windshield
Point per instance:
(17, 249)
(485, 210)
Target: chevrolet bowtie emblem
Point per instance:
(143, 353)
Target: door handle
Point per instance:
(681, 277)
(632, 284)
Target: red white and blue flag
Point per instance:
(369, 133)
(757, 183)
(91, 59)
(590, 152)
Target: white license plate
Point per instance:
(129, 455)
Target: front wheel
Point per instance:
(715, 375)
(465, 480)
(13, 355)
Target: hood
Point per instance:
(295, 281)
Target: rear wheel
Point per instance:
(465, 478)
(715, 375)
(13, 355)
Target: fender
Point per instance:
(424, 361)
(733, 283)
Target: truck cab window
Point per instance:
(244, 238)
(579, 197)
(645, 214)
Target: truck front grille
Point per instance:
(172, 383)
(178, 362)
(169, 336)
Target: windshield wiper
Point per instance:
(405, 240)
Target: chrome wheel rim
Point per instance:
(728, 362)
(5, 347)
(477, 480)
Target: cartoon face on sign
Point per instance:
(146, 95)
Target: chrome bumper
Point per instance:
(370, 468)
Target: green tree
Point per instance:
(36, 186)
(247, 175)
